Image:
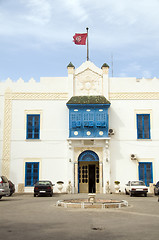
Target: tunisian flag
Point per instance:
(80, 38)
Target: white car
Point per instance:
(136, 188)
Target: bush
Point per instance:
(117, 182)
(60, 182)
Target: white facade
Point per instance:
(56, 153)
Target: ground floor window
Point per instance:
(145, 172)
(31, 173)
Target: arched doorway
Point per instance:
(88, 172)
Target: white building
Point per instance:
(87, 128)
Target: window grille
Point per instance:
(97, 174)
(84, 174)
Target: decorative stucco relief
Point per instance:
(39, 96)
(134, 96)
(7, 134)
(88, 83)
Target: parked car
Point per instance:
(4, 186)
(11, 187)
(43, 188)
(136, 188)
(156, 188)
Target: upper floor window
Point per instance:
(100, 119)
(33, 126)
(76, 120)
(143, 126)
(88, 119)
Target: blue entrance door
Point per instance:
(145, 172)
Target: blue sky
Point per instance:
(36, 37)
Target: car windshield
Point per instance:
(44, 183)
(137, 183)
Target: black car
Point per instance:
(156, 188)
(43, 187)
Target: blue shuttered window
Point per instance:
(88, 119)
(31, 173)
(76, 120)
(145, 173)
(100, 119)
(143, 126)
(33, 126)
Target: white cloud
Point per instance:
(76, 9)
(39, 11)
(125, 27)
(146, 74)
(134, 69)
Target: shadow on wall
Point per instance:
(119, 146)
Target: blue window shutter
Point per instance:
(141, 172)
(143, 126)
(78, 119)
(33, 126)
(145, 172)
(139, 126)
(73, 124)
(146, 124)
(78, 123)
(149, 173)
(90, 123)
(31, 173)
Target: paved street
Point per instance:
(25, 217)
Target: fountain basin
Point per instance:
(85, 203)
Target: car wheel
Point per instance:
(131, 194)
(8, 195)
(34, 195)
(51, 194)
(126, 192)
(145, 194)
(155, 193)
(0, 197)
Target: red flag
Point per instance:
(80, 38)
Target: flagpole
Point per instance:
(87, 45)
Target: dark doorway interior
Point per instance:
(92, 179)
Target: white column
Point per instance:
(76, 177)
(106, 164)
(105, 82)
(70, 163)
(101, 176)
(70, 81)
